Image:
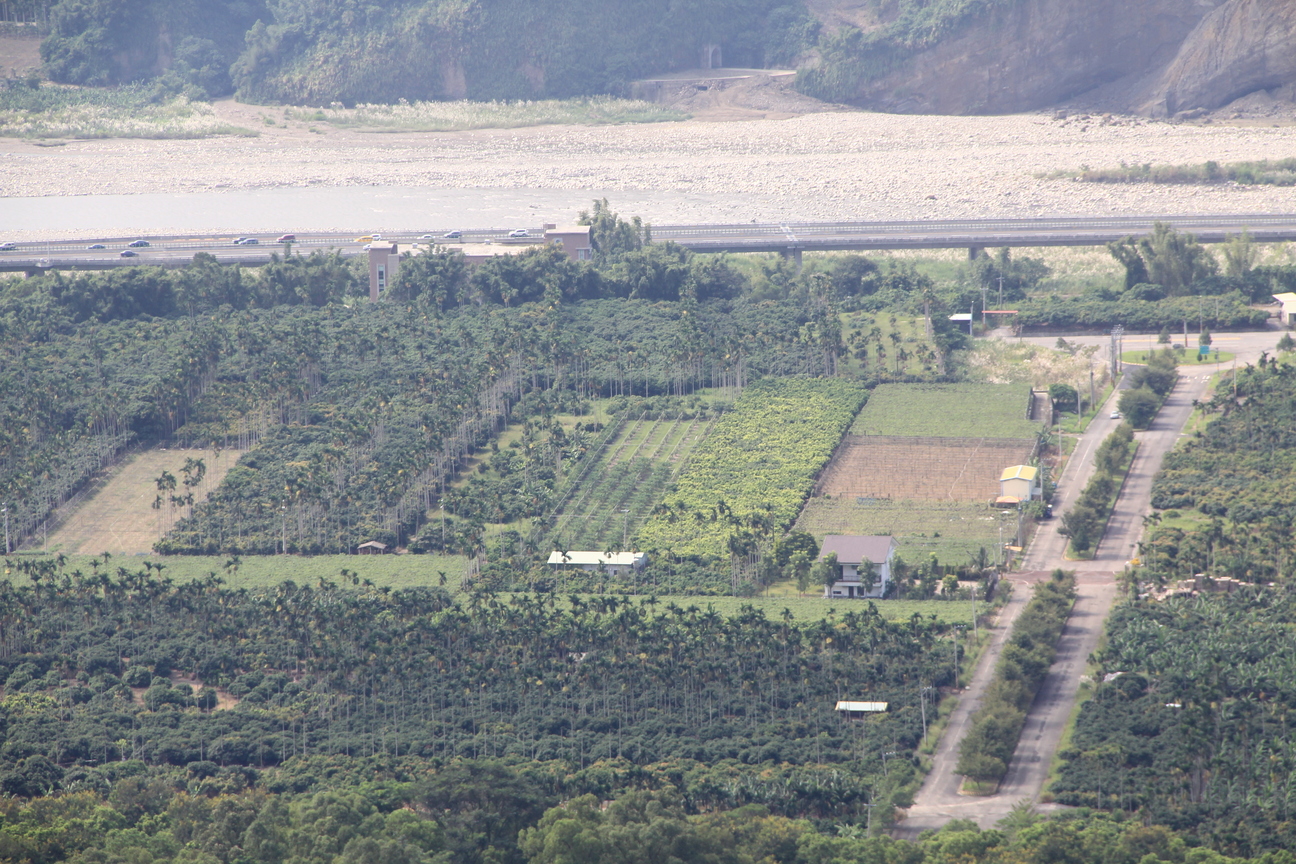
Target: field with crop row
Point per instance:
(947, 411)
(760, 458)
(627, 483)
(954, 469)
(954, 531)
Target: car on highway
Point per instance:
(377, 236)
(251, 241)
(1115, 415)
(138, 244)
(519, 232)
(8, 247)
(368, 238)
(94, 246)
(452, 235)
(286, 238)
(239, 241)
(128, 253)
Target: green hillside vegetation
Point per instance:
(524, 678)
(1194, 732)
(947, 411)
(310, 53)
(1235, 477)
(746, 482)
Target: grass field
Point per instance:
(132, 111)
(406, 571)
(1188, 358)
(947, 411)
(954, 531)
(462, 115)
(626, 483)
(118, 516)
(261, 571)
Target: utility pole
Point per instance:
(983, 305)
(6, 506)
(1000, 292)
(974, 621)
(283, 530)
(955, 657)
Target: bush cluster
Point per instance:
(1150, 384)
(988, 748)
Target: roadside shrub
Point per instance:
(988, 748)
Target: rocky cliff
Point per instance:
(1159, 56)
(1239, 48)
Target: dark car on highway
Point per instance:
(129, 253)
(138, 244)
(94, 246)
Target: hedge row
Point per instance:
(986, 751)
(1087, 520)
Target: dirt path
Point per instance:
(119, 517)
(939, 801)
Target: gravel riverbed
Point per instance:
(821, 166)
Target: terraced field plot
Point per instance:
(952, 530)
(947, 411)
(937, 469)
(118, 517)
(627, 482)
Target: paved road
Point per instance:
(790, 237)
(938, 801)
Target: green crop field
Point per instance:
(953, 531)
(260, 571)
(760, 458)
(947, 411)
(614, 499)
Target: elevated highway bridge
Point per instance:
(790, 238)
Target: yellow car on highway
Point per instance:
(368, 238)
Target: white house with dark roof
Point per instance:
(852, 551)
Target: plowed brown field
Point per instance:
(933, 469)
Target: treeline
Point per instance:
(1237, 475)
(1190, 725)
(1086, 521)
(1138, 310)
(987, 749)
(385, 811)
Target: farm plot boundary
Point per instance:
(949, 411)
(924, 468)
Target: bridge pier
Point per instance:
(974, 252)
(793, 252)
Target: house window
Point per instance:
(382, 278)
(582, 254)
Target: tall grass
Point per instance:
(121, 112)
(455, 116)
(1266, 172)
